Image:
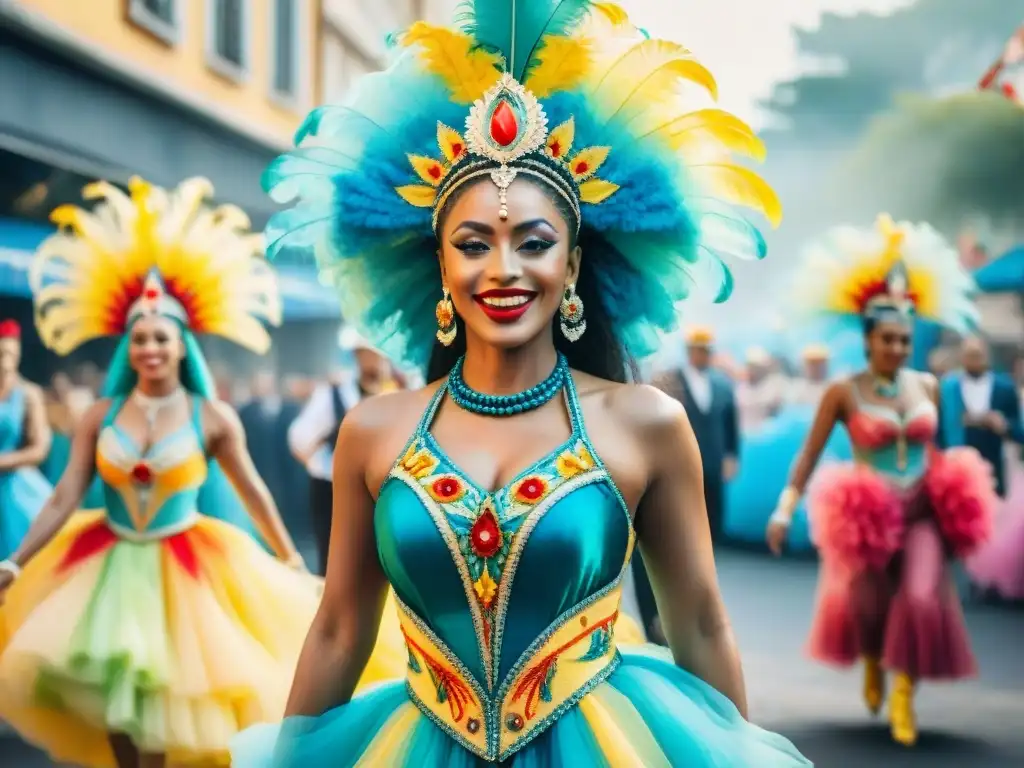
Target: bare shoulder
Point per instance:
(927, 381)
(34, 393)
(641, 409)
(220, 414)
(376, 430)
(96, 413)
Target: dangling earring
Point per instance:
(572, 322)
(445, 314)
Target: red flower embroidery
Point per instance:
(152, 293)
(485, 535)
(446, 489)
(142, 474)
(531, 490)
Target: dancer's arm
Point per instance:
(227, 446)
(830, 410)
(343, 633)
(675, 539)
(38, 436)
(71, 487)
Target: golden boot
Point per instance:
(874, 684)
(902, 721)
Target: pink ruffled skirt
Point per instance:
(999, 565)
(885, 589)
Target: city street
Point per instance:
(976, 724)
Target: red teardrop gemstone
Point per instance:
(485, 535)
(504, 127)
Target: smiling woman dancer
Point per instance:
(145, 632)
(887, 522)
(558, 235)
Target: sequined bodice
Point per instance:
(150, 494)
(500, 587)
(894, 444)
(12, 420)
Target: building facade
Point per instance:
(164, 89)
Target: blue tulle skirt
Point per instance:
(22, 495)
(766, 458)
(648, 712)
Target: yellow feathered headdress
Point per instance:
(152, 252)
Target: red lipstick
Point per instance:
(505, 305)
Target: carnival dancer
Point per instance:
(146, 633)
(527, 170)
(887, 523)
(24, 443)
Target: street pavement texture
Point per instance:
(976, 724)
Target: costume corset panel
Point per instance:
(151, 494)
(507, 599)
(896, 445)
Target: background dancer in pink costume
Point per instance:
(886, 523)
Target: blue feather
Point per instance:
(514, 28)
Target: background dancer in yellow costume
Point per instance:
(529, 190)
(146, 633)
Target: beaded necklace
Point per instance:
(507, 405)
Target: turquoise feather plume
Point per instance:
(515, 28)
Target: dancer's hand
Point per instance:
(777, 533)
(296, 563)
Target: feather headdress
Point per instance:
(152, 252)
(889, 271)
(567, 93)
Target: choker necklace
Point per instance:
(890, 390)
(151, 406)
(507, 405)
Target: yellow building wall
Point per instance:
(105, 24)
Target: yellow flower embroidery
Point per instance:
(486, 589)
(572, 463)
(418, 462)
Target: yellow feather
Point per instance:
(592, 158)
(709, 126)
(639, 79)
(417, 195)
(597, 191)
(562, 63)
(613, 12)
(741, 186)
(423, 167)
(561, 138)
(450, 55)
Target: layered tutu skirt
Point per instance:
(885, 590)
(648, 713)
(22, 495)
(178, 643)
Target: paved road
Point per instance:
(968, 725)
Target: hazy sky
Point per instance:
(747, 44)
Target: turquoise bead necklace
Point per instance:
(507, 405)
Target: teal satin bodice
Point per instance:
(490, 573)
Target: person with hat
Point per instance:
(811, 385)
(313, 433)
(762, 391)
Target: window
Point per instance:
(284, 30)
(343, 66)
(227, 49)
(158, 17)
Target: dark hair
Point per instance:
(599, 351)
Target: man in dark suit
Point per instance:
(709, 398)
(980, 409)
(266, 419)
